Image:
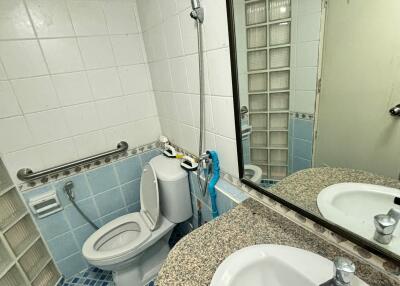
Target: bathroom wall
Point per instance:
(74, 81)
(104, 193)
(305, 42)
(170, 38)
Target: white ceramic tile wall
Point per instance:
(306, 18)
(74, 79)
(170, 38)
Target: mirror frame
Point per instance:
(355, 238)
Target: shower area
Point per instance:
(278, 66)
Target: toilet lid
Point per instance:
(149, 197)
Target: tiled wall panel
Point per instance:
(170, 38)
(103, 193)
(73, 77)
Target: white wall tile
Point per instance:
(90, 143)
(62, 55)
(140, 106)
(50, 18)
(219, 72)
(192, 69)
(87, 17)
(104, 83)
(216, 26)
(72, 88)
(9, 105)
(208, 118)
(26, 158)
(309, 27)
(112, 111)
(306, 78)
(166, 105)
(161, 76)
(47, 126)
(14, 20)
(189, 138)
(307, 54)
(82, 118)
(57, 152)
(115, 134)
(22, 58)
(178, 73)
(155, 44)
(189, 32)
(303, 101)
(182, 4)
(3, 75)
(309, 6)
(120, 16)
(168, 8)
(148, 130)
(224, 120)
(150, 13)
(134, 79)
(35, 94)
(185, 113)
(96, 52)
(127, 49)
(15, 134)
(173, 37)
(227, 154)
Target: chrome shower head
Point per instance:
(198, 12)
(195, 4)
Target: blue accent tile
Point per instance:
(71, 265)
(106, 219)
(129, 169)
(75, 218)
(300, 164)
(53, 225)
(83, 232)
(303, 129)
(62, 246)
(147, 156)
(109, 201)
(81, 189)
(302, 149)
(134, 208)
(131, 192)
(102, 179)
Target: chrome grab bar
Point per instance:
(27, 174)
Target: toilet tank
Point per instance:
(173, 188)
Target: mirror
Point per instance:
(317, 87)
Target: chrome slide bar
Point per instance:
(27, 174)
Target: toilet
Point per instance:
(253, 173)
(135, 245)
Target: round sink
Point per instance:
(275, 265)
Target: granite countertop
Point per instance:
(195, 258)
(302, 188)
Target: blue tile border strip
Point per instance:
(86, 167)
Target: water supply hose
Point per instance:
(211, 185)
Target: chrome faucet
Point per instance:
(344, 270)
(385, 224)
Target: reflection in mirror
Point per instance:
(319, 95)
(278, 45)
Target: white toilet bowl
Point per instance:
(253, 173)
(135, 245)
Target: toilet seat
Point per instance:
(115, 236)
(123, 236)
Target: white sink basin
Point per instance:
(275, 265)
(353, 206)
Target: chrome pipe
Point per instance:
(27, 174)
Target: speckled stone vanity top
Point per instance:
(196, 257)
(302, 188)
